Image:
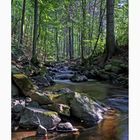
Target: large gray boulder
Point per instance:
(82, 106)
(86, 109)
(32, 117)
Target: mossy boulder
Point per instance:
(28, 89)
(33, 117)
(23, 82)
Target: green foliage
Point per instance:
(59, 16)
(121, 22)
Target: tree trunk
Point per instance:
(110, 37)
(57, 48)
(70, 44)
(83, 28)
(72, 40)
(22, 21)
(92, 24)
(34, 57)
(102, 11)
(64, 44)
(70, 28)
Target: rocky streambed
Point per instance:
(85, 110)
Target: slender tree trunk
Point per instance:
(57, 48)
(72, 40)
(102, 11)
(83, 28)
(56, 39)
(70, 44)
(70, 33)
(67, 44)
(110, 36)
(34, 57)
(22, 21)
(64, 45)
(79, 46)
(92, 23)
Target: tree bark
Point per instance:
(70, 28)
(110, 36)
(22, 21)
(83, 28)
(102, 11)
(35, 29)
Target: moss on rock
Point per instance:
(23, 82)
(50, 114)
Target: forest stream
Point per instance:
(113, 127)
(69, 70)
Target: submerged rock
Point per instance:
(78, 78)
(32, 117)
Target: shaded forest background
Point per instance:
(70, 29)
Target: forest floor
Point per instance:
(113, 71)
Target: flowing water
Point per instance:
(113, 127)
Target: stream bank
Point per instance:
(55, 89)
